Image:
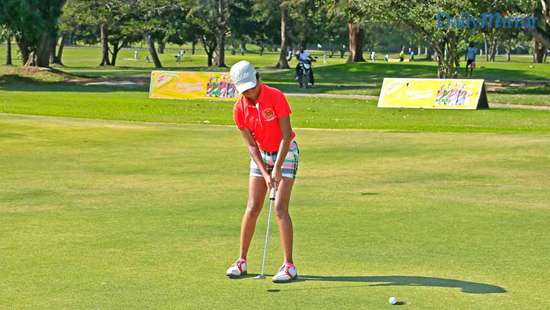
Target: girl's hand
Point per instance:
(276, 175)
(269, 181)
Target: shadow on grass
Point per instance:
(369, 72)
(22, 83)
(534, 90)
(465, 286)
(249, 276)
(127, 72)
(366, 78)
(321, 89)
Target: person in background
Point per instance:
(289, 55)
(303, 56)
(471, 52)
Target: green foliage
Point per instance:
(34, 23)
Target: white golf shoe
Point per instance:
(286, 273)
(238, 269)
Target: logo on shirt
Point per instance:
(268, 114)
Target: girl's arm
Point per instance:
(286, 129)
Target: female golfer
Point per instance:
(262, 115)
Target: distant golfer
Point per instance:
(471, 59)
(262, 114)
(402, 55)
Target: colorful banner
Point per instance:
(191, 85)
(433, 94)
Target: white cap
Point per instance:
(243, 75)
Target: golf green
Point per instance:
(109, 214)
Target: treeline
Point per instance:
(42, 27)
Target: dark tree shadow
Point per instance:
(21, 83)
(465, 286)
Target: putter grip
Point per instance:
(272, 193)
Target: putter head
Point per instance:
(260, 276)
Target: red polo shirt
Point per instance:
(262, 119)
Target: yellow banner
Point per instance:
(191, 85)
(433, 94)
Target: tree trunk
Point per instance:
(242, 47)
(104, 45)
(193, 47)
(210, 56)
(494, 49)
(220, 38)
(441, 69)
(538, 51)
(116, 48)
(355, 43)
(262, 48)
(24, 50)
(153, 50)
(59, 56)
(486, 46)
(448, 57)
(53, 49)
(220, 59)
(8, 51)
(283, 63)
(162, 46)
(43, 52)
(453, 59)
(209, 50)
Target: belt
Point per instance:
(275, 153)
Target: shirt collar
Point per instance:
(263, 93)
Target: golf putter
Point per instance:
(271, 200)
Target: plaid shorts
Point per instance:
(290, 165)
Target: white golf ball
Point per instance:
(392, 300)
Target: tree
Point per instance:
(106, 21)
(283, 62)
(221, 33)
(448, 43)
(541, 32)
(248, 24)
(205, 17)
(265, 22)
(34, 24)
(356, 13)
(5, 34)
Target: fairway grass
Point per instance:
(111, 214)
(308, 112)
